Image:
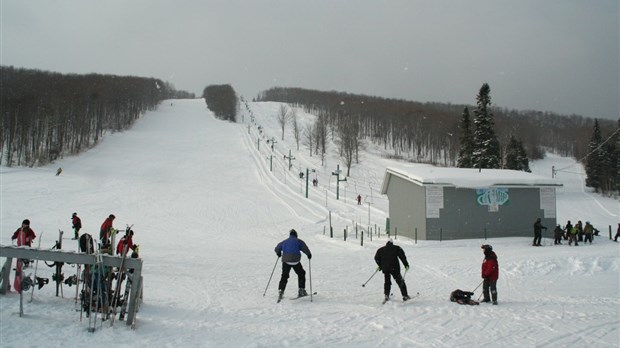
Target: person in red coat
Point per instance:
(24, 235)
(127, 239)
(490, 274)
(77, 225)
(104, 232)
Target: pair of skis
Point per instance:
(409, 299)
(281, 296)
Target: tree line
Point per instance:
(46, 115)
(434, 132)
(222, 100)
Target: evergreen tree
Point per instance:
(595, 159)
(467, 142)
(486, 152)
(516, 157)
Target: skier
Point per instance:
(127, 239)
(617, 233)
(387, 261)
(538, 227)
(77, 225)
(290, 250)
(24, 235)
(106, 229)
(557, 235)
(568, 230)
(588, 230)
(490, 273)
(572, 236)
(359, 199)
(579, 226)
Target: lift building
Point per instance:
(435, 203)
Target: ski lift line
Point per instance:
(591, 152)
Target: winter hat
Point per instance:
(74, 214)
(389, 242)
(293, 233)
(26, 222)
(112, 216)
(487, 247)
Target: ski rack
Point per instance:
(72, 257)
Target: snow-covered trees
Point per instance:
(516, 157)
(467, 141)
(486, 152)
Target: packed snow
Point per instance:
(209, 200)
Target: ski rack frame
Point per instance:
(72, 257)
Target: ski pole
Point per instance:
(310, 277)
(363, 285)
(274, 269)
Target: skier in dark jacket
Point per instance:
(490, 274)
(77, 225)
(538, 227)
(387, 261)
(463, 297)
(290, 250)
(557, 235)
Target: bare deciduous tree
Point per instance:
(283, 117)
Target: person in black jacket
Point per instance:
(387, 260)
(538, 227)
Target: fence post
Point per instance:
(416, 235)
(609, 231)
(485, 233)
(362, 240)
(345, 234)
(395, 232)
(440, 234)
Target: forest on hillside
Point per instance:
(429, 132)
(46, 115)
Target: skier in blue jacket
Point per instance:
(290, 250)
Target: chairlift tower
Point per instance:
(338, 180)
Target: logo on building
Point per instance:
(493, 197)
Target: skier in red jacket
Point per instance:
(24, 235)
(490, 273)
(106, 228)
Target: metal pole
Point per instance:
(274, 269)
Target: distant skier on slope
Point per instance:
(290, 250)
(387, 261)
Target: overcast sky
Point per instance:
(552, 55)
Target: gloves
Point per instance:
(309, 256)
(406, 268)
(378, 268)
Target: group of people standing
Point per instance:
(25, 234)
(573, 233)
(387, 258)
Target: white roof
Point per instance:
(423, 174)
